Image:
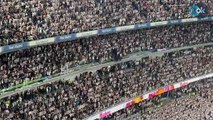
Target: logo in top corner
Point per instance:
(198, 10)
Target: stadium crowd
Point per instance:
(42, 61)
(193, 102)
(93, 92)
(24, 20)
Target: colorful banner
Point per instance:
(129, 104)
(160, 91)
(137, 100)
(104, 115)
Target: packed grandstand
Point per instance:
(157, 72)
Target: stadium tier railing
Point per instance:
(70, 74)
(70, 37)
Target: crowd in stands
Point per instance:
(93, 92)
(24, 20)
(42, 61)
(194, 102)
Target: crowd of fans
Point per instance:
(194, 102)
(43, 61)
(93, 92)
(23, 20)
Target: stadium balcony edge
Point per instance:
(74, 36)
